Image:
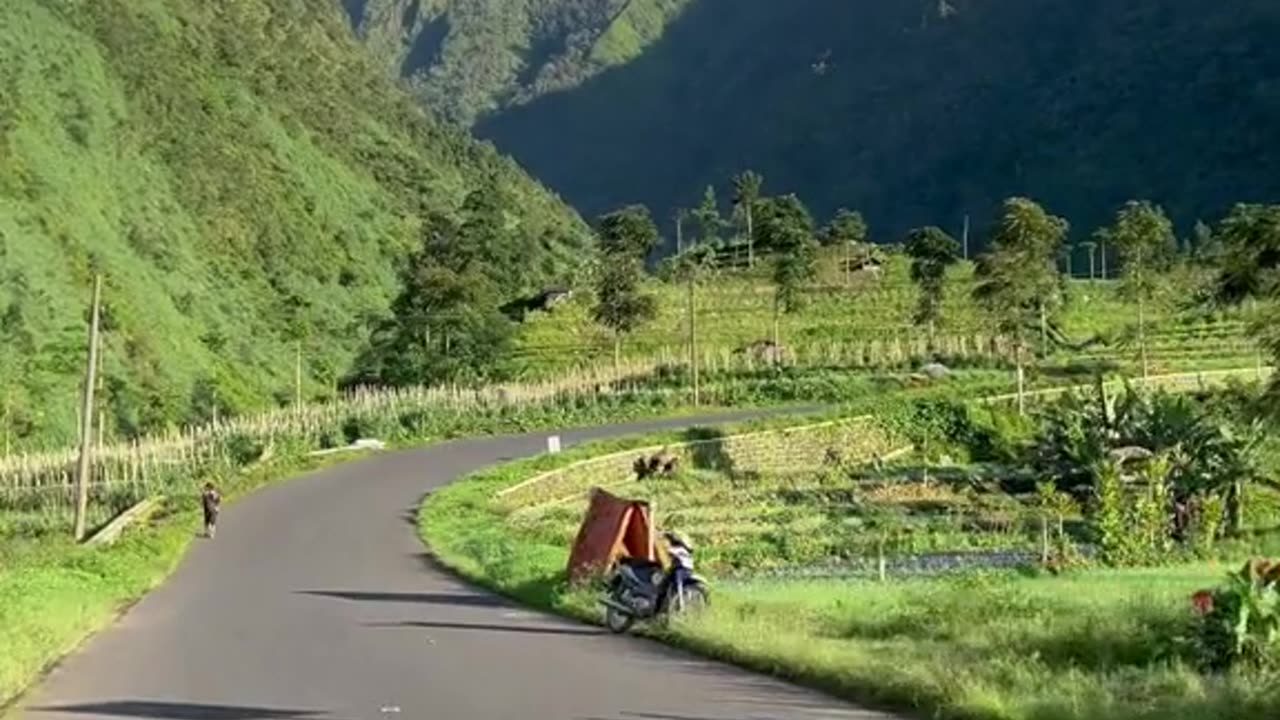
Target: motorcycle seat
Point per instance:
(639, 575)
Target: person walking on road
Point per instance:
(211, 500)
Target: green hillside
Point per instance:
(467, 58)
(244, 178)
(920, 111)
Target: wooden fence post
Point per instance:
(84, 466)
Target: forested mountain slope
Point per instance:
(466, 58)
(918, 111)
(244, 178)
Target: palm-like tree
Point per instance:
(1091, 248)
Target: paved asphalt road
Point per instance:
(316, 601)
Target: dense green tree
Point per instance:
(1245, 249)
(1249, 261)
(1017, 279)
(932, 252)
(787, 229)
(777, 218)
(846, 228)
(485, 238)
(1247, 271)
(707, 215)
(446, 324)
(626, 237)
(628, 232)
(1145, 243)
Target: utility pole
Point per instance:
(679, 231)
(84, 467)
(966, 237)
(102, 421)
(848, 264)
(693, 339)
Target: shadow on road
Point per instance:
(464, 600)
(485, 627)
(664, 716)
(179, 711)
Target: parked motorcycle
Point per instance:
(643, 590)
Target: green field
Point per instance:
(735, 308)
(1101, 645)
(752, 522)
(1082, 641)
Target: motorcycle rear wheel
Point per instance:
(617, 621)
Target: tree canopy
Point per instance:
(932, 251)
(846, 228)
(622, 306)
(1018, 279)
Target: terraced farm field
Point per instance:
(839, 518)
(867, 317)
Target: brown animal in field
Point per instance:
(661, 464)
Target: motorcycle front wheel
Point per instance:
(692, 599)
(617, 621)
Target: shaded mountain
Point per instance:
(918, 112)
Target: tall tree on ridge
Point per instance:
(1018, 279)
(847, 228)
(626, 237)
(1145, 243)
(787, 228)
(445, 323)
(746, 191)
(932, 252)
(707, 215)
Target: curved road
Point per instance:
(317, 601)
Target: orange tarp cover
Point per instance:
(613, 528)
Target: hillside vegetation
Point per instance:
(914, 112)
(467, 58)
(246, 182)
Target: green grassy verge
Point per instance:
(1096, 644)
(1102, 645)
